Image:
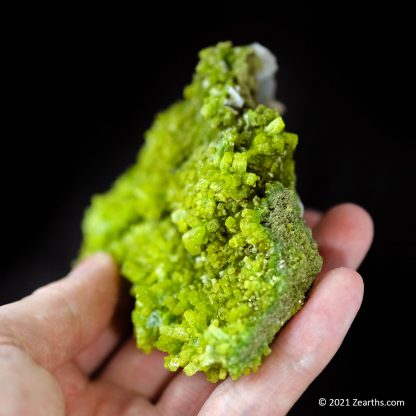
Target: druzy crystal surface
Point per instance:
(207, 225)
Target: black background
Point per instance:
(80, 89)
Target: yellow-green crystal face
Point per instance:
(207, 225)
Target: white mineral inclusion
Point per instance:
(266, 75)
(235, 99)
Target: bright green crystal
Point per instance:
(207, 225)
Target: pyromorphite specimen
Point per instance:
(207, 225)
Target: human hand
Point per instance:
(53, 340)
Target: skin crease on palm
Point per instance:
(53, 340)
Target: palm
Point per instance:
(131, 382)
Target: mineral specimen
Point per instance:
(207, 225)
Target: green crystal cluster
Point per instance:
(207, 225)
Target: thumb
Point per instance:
(62, 318)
